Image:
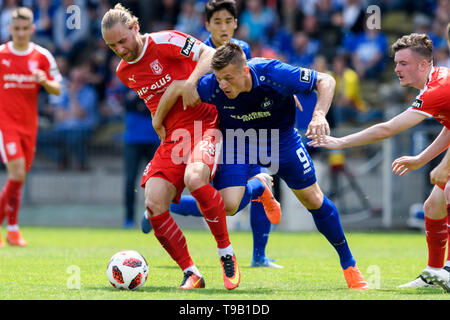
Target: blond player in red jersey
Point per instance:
(188, 156)
(25, 67)
(414, 68)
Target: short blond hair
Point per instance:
(119, 14)
(22, 13)
(448, 32)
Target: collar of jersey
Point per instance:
(21, 53)
(143, 50)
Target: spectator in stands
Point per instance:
(5, 18)
(256, 21)
(190, 19)
(44, 11)
(368, 52)
(348, 104)
(75, 118)
(112, 108)
(69, 36)
(165, 14)
(303, 50)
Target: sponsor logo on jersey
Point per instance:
(156, 67)
(252, 116)
(417, 103)
(18, 77)
(305, 75)
(6, 62)
(161, 82)
(132, 78)
(188, 45)
(229, 107)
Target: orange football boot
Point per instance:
(271, 205)
(355, 279)
(231, 272)
(191, 281)
(14, 238)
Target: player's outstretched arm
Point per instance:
(167, 101)
(404, 164)
(318, 126)
(377, 132)
(190, 95)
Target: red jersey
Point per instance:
(166, 56)
(18, 90)
(434, 99)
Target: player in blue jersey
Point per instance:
(221, 22)
(257, 96)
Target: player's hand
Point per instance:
(328, 142)
(160, 130)
(39, 76)
(297, 103)
(439, 175)
(403, 165)
(190, 95)
(318, 128)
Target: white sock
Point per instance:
(226, 251)
(435, 269)
(193, 269)
(12, 227)
(447, 264)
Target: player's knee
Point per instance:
(195, 179)
(431, 208)
(155, 208)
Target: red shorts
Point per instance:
(15, 145)
(171, 158)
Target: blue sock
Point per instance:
(260, 225)
(186, 207)
(328, 223)
(259, 222)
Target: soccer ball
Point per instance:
(127, 269)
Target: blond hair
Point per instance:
(448, 32)
(119, 14)
(22, 13)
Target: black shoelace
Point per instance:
(228, 265)
(186, 277)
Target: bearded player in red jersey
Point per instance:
(25, 67)
(414, 68)
(150, 62)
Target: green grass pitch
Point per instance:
(70, 264)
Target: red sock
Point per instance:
(436, 233)
(448, 231)
(172, 239)
(10, 201)
(213, 209)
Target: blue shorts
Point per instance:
(294, 165)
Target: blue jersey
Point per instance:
(244, 45)
(269, 104)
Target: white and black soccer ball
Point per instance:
(127, 269)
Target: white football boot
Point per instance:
(441, 277)
(419, 282)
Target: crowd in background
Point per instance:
(327, 35)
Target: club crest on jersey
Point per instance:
(156, 67)
(267, 103)
(417, 103)
(305, 75)
(188, 45)
(32, 65)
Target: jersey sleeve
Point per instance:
(290, 79)
(49, 65)
(206, 88)
(177, 45)
(429, 102)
